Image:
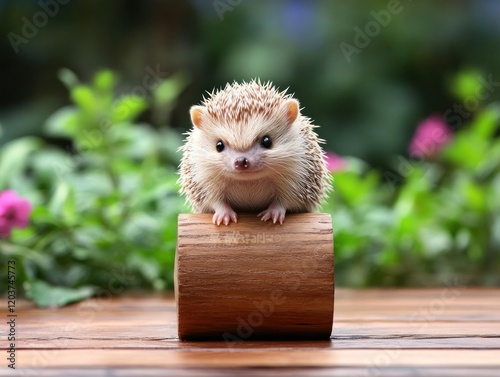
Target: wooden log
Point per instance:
(254, 279)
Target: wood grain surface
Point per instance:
(449, 331)
(254, 279)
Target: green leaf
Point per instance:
(104, 81)
(68, 78)
(84, 98)
(486, 123)
(353, 188)
(47, 163)
(127, 108)
(168, 90)
(476, 196)
(22, 252)
(60, 196)
(45, 295)
(64, 122)
(42, 215)
(14, 157)
(467, 150)
(141, 142)
(466, 83)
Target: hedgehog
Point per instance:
(251, 150)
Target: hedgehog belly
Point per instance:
(250, 196)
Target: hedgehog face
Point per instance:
(244, 163)
(254, 148)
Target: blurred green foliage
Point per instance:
(426, 221)
(105, 210)
(366, 108)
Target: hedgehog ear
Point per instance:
(292, 110)
(197, 114)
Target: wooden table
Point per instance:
(450, 331)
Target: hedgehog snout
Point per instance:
(241, 163)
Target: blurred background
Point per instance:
(96, 96)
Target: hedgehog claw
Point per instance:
(275, 213)
(224, 215)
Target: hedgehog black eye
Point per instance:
(219, 146)
(266, 142)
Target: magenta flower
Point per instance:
(430, 137)
(14, 212)
(334, 162)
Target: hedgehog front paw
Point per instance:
(274, 212)
(224, 215)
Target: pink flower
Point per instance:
(14, 212)
(430, 137)
(334, 162)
